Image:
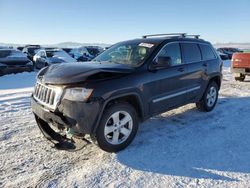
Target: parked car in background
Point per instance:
(125, 85)
(31, 50)
(46, 49)
(20, 48)
(13, 61)
(85, 53)
(107, 47)
(46, 57)
(32, 45)
(81, 54)
(222, 55)
(4, 47)
(229, 51)
(94, 50)
(67, 50)
(240, 66)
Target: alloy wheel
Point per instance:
(211, 96)
(118, 127)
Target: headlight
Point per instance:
(77, 94)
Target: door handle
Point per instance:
(180, 69)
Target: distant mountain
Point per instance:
(61, 45)
(76, 44)
(233, 45)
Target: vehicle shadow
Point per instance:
(189, 143)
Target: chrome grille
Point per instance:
(48, 96)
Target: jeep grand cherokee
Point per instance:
(127, 84)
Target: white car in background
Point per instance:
(46, 57)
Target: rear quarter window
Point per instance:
(207, 52)
(191, 52)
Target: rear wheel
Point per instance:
(241, 78)
(118, 127)
(209, 99)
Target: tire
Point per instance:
(209, 99)
(241, 78)
(111, 136)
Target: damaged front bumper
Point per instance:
(78, 117)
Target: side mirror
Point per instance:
(161, 62)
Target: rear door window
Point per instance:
(207, 52)
(191, 52)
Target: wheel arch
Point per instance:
(216, 79)
(133, 99)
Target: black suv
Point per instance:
(126, 84)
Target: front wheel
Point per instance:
(209, 99)
(118, 127)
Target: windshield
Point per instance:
(129, 53)
(33, 50)
(93, 51)
(52, 53)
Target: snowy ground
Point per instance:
(179, 148)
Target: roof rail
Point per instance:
(195, 36)
(166, 34)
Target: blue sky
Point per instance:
(110, 21)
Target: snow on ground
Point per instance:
(179, 148)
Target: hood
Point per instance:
(68, 73)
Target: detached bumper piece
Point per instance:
(66, 130)
(60, 141)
